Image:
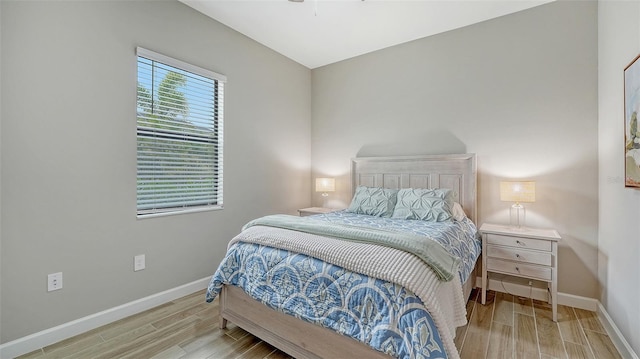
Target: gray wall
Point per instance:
(619, 228)
(68, 151)
(520, 91)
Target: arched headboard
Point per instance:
(456, 171)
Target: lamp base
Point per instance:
(325, 196)
(517, 215)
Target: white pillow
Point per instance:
(457, 213)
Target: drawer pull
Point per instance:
(518, 269)
(519, 243)
(517, 255)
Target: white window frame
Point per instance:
(151, 202)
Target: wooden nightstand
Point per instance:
(528, 253)
(315, 210)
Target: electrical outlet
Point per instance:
(54, 281)
(138, 262)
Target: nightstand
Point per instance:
(527, 252)
(315, 210)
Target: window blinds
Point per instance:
(179, 136)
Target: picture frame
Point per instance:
(631, 129)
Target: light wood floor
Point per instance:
(507, 327)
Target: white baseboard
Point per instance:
(575, 301)
(614, 333)
(67, 330)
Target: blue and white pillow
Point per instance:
(374, 201)
(433, 205)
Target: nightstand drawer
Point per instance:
(520, 242)
(520, 255)
(519, 269)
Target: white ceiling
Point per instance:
(320, 32)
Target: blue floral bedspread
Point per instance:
(383, 315)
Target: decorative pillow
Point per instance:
(433, 205)
(457, 213)
(374, 201)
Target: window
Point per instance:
(180, 117)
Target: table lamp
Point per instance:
(518, 192)
(325, 185)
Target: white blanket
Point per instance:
(443, 300)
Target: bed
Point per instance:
(312, 295)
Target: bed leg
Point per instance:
(223, 298)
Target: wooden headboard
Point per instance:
(457, 172)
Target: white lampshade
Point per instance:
(325, 184)
(516, 191)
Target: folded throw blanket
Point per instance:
(431, 252)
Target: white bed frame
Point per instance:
(301, 339)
